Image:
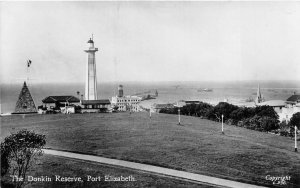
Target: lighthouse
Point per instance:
(91, 103)
(91, 75)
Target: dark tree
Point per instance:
(203, 108)
(222, 108)
(260, 123)
(295, 120)
(19, 151)
(266, 111)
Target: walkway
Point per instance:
(197, 178)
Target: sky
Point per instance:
(150, 41)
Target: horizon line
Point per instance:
(156, 81)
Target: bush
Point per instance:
(283, 132)
(220, 109)
(260, 123)
(19, 151)
(242, 113)
(268, 123)
(261, 118)
(266, 111)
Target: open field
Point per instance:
(197, 146)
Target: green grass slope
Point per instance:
(198, 146)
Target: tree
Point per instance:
(266, 111)
(269, 123)
(4, 160)
(295, 120)
(261, 123)
(19, 151)
(202, 109)
(222, 108)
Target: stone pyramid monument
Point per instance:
(25, 103)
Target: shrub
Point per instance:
(283, 132)
(266, 111)
(261, 123)
(19, 151)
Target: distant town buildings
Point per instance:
(126, 103)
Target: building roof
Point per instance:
(161, 106)
(95, 102)
(293, 98)
(273, 103)
(66, 98)
(192, 101)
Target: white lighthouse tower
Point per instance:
(91, 76)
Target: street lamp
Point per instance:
(295, 139)
(178, 116)
(222, 124)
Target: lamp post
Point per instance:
(295, 139)
(222, 124)
(178, 116)
(65, 107)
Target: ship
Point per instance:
(205, 90)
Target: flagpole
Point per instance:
(27, 76)
(28, 70)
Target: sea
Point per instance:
(235, 92)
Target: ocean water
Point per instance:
(168, 92)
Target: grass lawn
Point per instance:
(51, 165)
(197, 146)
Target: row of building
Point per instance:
(71, 104)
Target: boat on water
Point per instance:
(205, 90)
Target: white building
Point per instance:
(284, 109)
(292, 107)
(126, 103)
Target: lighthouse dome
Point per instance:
(90, 41)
